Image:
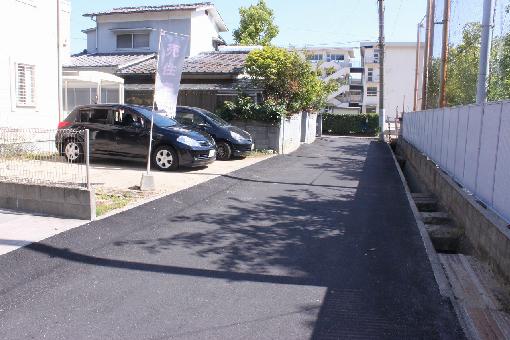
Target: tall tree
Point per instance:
(463, 67)
(256, 26)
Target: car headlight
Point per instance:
(236, 136)
(188, 141)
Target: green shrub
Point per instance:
(347, 124)
(243, 108)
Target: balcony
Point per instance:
(356, 98)
(357, 82)
(369, 60)
(348, 97)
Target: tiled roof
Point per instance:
(216, 62)
(209, 62)
(106, 60)
(142, 9)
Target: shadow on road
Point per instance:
(358, 242)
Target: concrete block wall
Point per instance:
(308, 127)
(55, 201)
(485, 231)
(283, 138)
(290, 137)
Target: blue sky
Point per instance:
(302, 23)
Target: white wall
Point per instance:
(91, 41)
(30, 36)
(472, 144)
(200, 26)
(107, 39)
(399, 77)
(203, 30)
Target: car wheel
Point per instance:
(165, 158)
(73, 151)
(224, 151)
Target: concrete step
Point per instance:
(482, 299)
(444, 237)
(435, 217)
(426, 204)
(422, 195)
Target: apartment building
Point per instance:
(337, 63)
(399, 77)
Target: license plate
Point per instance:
(252, 147)
(212, 153)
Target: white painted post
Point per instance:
(87, 156)
(483, 74)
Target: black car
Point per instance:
(230, 140)
(122, 132)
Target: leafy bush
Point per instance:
(288, 79)
(243, 108)
(348, 124)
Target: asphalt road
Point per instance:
(318, 244)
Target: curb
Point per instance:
(444, 286)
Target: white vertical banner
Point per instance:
(171, 55)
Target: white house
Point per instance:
(136, 29)
(399, 77)
(124, 43)
(36, 43)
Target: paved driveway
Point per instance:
(120, 175)
(319, 244)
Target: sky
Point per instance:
(302, 23)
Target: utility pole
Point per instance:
(483, 75)
(381, 68)
(417, 74)
(429, 39)
(444, 53)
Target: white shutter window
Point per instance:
(25, 85)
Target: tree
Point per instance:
(256, 26)
(463, 64)
(499, 81)
(463, 61)
(288, 79)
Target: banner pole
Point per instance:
(153, 108)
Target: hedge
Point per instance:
(348, 124)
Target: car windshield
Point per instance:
(159, 119)
(213, 117)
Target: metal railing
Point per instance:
(44, 156)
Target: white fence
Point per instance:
(472, 144)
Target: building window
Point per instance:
(370, 74)
(371, 91)
(25, 85)
(335, 57)
(315, 57)
(133, 41)
(376, 57)
(371, 109)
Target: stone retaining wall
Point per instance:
(56, 201)
(486, 232)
